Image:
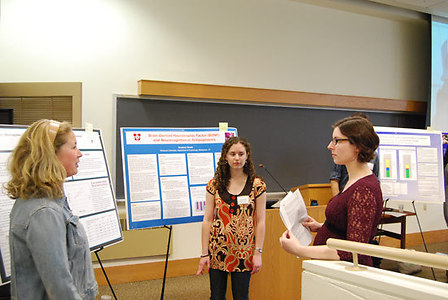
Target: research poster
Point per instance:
(166, 171)
(411, 164)
(89, 193)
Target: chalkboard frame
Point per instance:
(290, 141)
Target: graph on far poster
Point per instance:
(166, 171)
(89, 193)
(411, 164)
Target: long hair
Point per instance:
(33, 165)
(360, 133)
(222, 174)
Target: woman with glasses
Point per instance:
(50, 257)
(339, 174)
(355, 213)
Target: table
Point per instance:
(391, 216)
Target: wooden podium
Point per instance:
(279, 277)
(321, 192)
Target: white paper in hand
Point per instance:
(293, 213)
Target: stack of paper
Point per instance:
(293, 213)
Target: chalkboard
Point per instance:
(291, 142)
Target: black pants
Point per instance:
(218, 284)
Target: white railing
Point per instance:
(398, 254)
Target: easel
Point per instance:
(423, 238)
(104, 271)
(170, 228)
(419, 226)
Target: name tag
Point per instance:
(243, 200)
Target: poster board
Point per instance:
(166, 171)
(411, 164)
(89, 193)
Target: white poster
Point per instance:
(89, 193)
(411, 164)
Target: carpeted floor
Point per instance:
(440, 275)
(186, 287)
(192, 287)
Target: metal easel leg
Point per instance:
(104, 271)
(170, 228)
(423, 238)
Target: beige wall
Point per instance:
(110, 44)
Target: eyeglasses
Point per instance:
(335, 141)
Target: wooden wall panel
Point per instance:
(271, 96)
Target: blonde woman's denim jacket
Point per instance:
(50, 256)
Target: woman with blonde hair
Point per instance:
(50, 257)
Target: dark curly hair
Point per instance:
(360, 133)
(222, 174)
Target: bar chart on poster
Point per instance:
(166, 171)
(89, 192)
(411, 164)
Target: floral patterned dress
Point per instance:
(232, 236)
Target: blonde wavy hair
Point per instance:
(33, 165)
